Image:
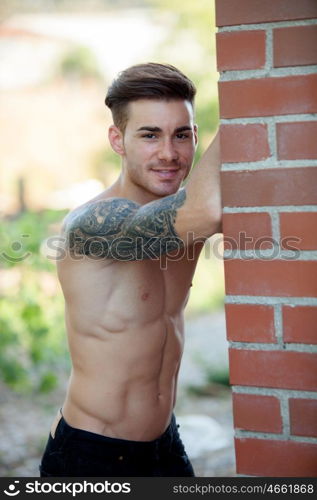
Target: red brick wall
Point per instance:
(267, 59)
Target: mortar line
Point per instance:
(266, 25)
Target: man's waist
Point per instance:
(118, 416)
(74, 435)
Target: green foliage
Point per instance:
(218, 376)
(21, 238)
(195, 16)
(216, 383)
(207, 294)
(32, 337)
(207, 117)
(79, 62)
(190, 46)
(48, 382)
(13, 373)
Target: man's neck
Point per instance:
(123, 188)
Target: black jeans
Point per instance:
(78, 453)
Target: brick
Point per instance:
(298, 230)
(274, 458)
(244, 142)
(257, 413)
(270, 186)
(297, 141)
(278, 369)
(295, 46)
(240, 50)
(268, 96)
(247, 231)
(232, 12)
(300, 324)
(303, 417)
(278, 278)
(250, 323)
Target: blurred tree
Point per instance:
(105, 165)
(77, 63)
(33, 350)
(191, 41)
(8, 7)
(194, 16)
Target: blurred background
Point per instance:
(57, 58)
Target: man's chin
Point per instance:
(167, 190)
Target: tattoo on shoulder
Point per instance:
(123, 230)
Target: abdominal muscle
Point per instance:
(124, 374)
(124, 387)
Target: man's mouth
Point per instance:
(166, 173)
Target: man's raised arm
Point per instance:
(201, 213)
(121, 229)
(194, 211)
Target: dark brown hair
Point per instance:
(146, 81)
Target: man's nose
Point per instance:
(167, 151)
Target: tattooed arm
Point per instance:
(120, 229)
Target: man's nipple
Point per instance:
(145, 296)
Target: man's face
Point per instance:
(159, 144)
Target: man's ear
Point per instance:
(196, 134)
(116, 140)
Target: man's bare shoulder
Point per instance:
(94, 215)
(97, 227)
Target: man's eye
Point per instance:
(149, 136)
(182, 136)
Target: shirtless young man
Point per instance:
(131, 256)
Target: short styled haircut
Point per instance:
(146, 81)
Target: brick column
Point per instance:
(267, 59)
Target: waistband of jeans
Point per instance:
(67, 432)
